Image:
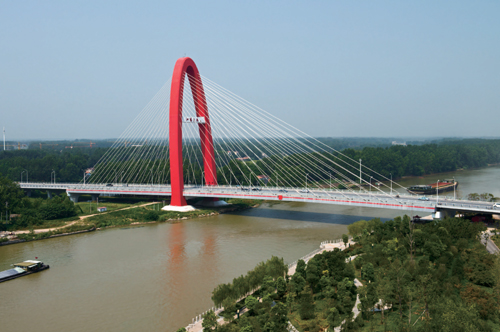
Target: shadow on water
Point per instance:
(308, 216)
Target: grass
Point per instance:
(111, 203)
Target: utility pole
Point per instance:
(4, 138)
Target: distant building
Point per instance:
(102, 209)
(243, 158)
(398, 143)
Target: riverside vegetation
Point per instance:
(416, 277)
(61, 213)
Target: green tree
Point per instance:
(368, 272)
(297, 283)
(250, 303)
(301, 268)
(281, 286)
(209, 321)
(306, 304)
(345, 239)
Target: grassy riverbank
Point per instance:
(133, 214)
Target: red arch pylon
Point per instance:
(182, 67)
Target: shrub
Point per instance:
(152, 216)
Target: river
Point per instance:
(158, 277)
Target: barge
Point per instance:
(433, 188)
(22, 269)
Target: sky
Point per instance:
(85, 69)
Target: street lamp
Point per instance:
(306, 179)
(437, 191)
(454, 187)
(359, 174)
(53, 172)
(22, 176)
(330, 181)
(371, 186)
(391, 183)
(122, 178)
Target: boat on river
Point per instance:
(433, 188)
(23, 269)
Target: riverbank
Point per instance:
(46, 237)
(133, 215)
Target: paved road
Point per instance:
(490, 245)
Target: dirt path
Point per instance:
(43, 230)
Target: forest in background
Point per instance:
(411, 160)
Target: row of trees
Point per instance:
(241, 286)
(38, 165)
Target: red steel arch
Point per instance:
(182, 67)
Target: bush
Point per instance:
(152, 216)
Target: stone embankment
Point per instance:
(196, 324)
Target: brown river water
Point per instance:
(158, 277)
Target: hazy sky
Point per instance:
(85, 69)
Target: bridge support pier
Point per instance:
(28, 192)
(49, 194)
(184, 208)
(94, 197)
(73, 197)
(441, 214)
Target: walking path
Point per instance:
(43, 230)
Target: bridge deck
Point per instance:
(323, 196)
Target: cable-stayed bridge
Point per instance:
(197, 139)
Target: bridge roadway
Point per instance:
(324, 196)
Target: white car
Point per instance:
(496, 206)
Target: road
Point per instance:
(375, 199)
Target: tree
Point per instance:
(368, 272)
(209, 321)
(250, 303)
(298, 283)
(278, 318)
(281, 286)
(301, 268)
(10, 195)
(345, 239)
(334, 319)
(182, 329)
(357, 227)
(306, 304)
